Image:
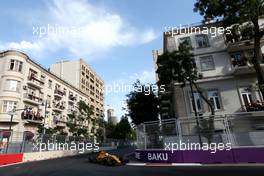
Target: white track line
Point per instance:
(163, 164)
(5, 165)
(136, 164)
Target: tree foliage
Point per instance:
(121, 130)
(178, 66)
(77, 118)
(142, 106)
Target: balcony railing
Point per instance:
(32, 97)
(60, 122)
(255, 106)
(59, 106)
(240, 62)
(59, 92)
(31, 115)
(33, 78)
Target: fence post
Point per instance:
(23, 144)
(228, 131)
(145, 136)
(178, 127)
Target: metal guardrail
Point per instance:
(239, 129)
(20, 142)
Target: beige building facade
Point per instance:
(27, 87)
(82, 76)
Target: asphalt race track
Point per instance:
(78, 166)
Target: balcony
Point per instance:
(35, 82)
(253, 107)
(32, 116)
(59, 93)
(242, 66)
(32, 99)
(239, 45)
(72, 99)
(60, 123)
(58, 107)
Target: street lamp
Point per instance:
(45, 113)
(11, 113)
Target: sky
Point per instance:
(115, 37)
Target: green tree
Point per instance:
(142, 104)
(100, 133)
(237, 13)
(179, 66)
(109, 130)
(123, 129)
(76, 119)
(49, 131)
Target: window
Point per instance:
(9, 106)
(187, 40)
(50, 84)
(207, 63)
(12, 85)
(213, 96)
(196, 103)
(246, 96)
(202, 41)
(15, 65)
(236, 56)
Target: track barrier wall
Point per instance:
(243, 132)
(236, 155)
(36, 156)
